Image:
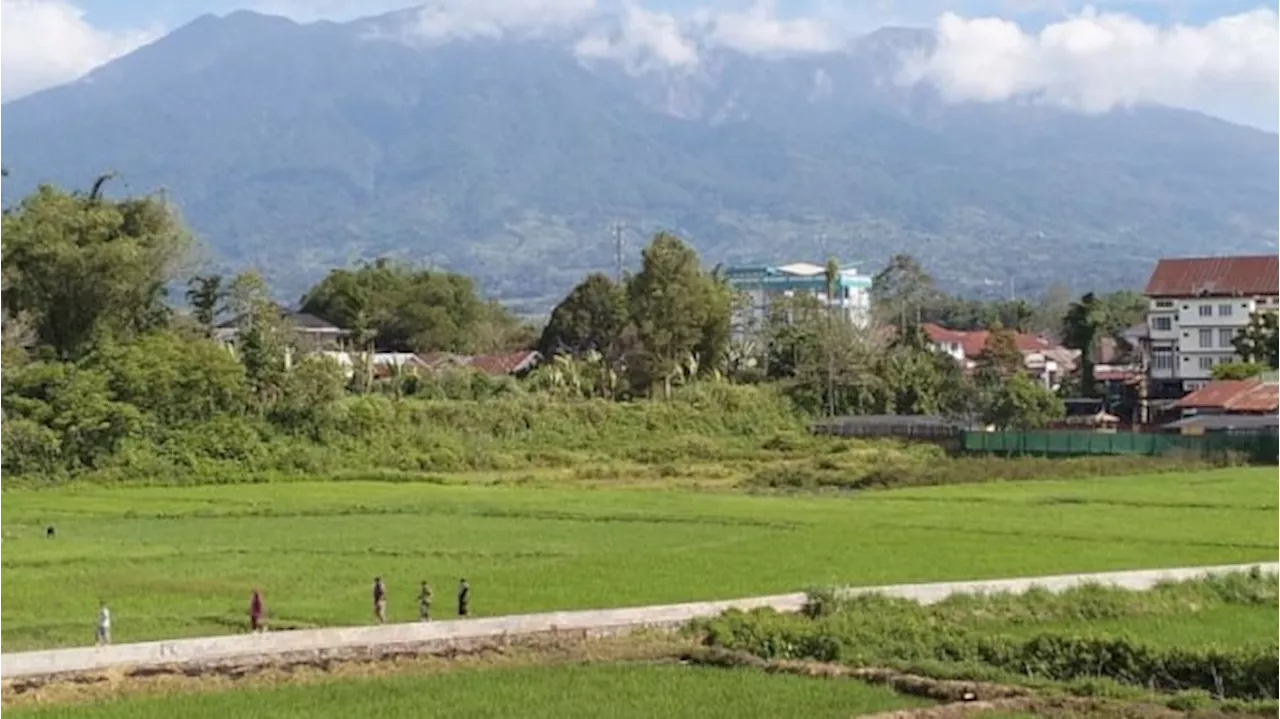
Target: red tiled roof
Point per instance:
(438, 360)
(1217, 394)
(1257, 399)
(972, 343)
(504, 363)
(1215, 276)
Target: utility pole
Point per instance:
(617, 249)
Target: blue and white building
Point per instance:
(763, 285)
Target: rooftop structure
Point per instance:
(764, 285)
(1197, 306)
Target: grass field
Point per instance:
(182, 561)
(615, 691)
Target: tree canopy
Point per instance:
(408, 309)
(82, 269)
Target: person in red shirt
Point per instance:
(256, 610)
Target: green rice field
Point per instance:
(183, 561)
(616, 691)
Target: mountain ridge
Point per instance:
(297, 147)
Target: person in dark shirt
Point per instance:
(50, 532)
(424, 602)
(257, 608)
(379, 600)
(464, 598)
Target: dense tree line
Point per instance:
(98, 362)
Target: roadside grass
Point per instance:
(176, 561)
(616, 691)
(1213, 637)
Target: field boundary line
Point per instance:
(598, 622)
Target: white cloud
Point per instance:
(1094, 62)
(463, 19)
(645, 40)
(758, 30)
(47, 42)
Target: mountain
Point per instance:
(299, 147)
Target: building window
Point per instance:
(1206, 363)
(1225, 335)
(1224, 310)
(1161, 324)
(1162, 359)
(1206, 338)
(1164, 303)
(1206, 310)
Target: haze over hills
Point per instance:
(297, 148)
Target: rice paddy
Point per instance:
(613, 690)
(183, 561)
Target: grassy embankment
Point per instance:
(709, 435)
(1205, 638)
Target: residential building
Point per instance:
(1234, 406)
(1197, 307)
(1229, 396)
(313, 333)
(387, 364)
(1043, 359)
(765, 285)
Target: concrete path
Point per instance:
(316, 643)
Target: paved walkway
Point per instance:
(318, 642)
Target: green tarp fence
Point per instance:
(1258, 447)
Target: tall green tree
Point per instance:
(1082, 329)
(263, 343)
(902, 291)
(206, 294)
(591, 318)
(676, 309)
(1000, 357)
(83, 268)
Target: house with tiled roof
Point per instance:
(1044, 359)
(1197, 306)
(1248, 405)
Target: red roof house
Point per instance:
(1245, 275)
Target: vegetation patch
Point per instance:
(182, 561)
(972, 634)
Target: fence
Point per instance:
(1257, 447)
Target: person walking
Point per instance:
(257, 608)
(464, 598)
(379, 600)
(424, 602)
(104, 625)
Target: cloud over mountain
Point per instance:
(1096, 61)
(48, 42)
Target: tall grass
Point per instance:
(375, 432)
(1037, 635)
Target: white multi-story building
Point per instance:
(763, 285)
(1197, 306)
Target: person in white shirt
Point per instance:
(104, 624)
